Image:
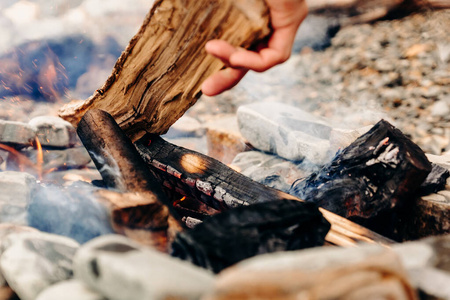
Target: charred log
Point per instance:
(375, 174)
(123, 169)
(435, 180)
(206, 179)
(159, 75)
(243, 232)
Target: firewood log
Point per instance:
(212, 182)
(159, 75)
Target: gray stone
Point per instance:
(428, 266)
(5, 230)
(121, 269)
(185, 127)
(33, 261)
(441, 108)
(269, 169)
(341, 138)
(16, 189)
(69, 290)
(72, 211)
(285, 130)
(319, 273)
(69, 158)
(54, 131)
(17, 132)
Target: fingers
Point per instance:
(223, 80)
(278, 51)
(220, 49)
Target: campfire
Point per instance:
(99, 203)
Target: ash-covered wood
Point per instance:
(381, 170)
(201, 177)
(243, 232)
(123, 169)
(159, 75)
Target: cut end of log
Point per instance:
(159, 75)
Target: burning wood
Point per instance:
(158, 76)
(123, 169)
(221, 187)
(377, 173)
(229, 237)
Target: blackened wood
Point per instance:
(381, 170)
(239, 233)
(159, 75)
(119, 164)
(435, 180)
(204, 178)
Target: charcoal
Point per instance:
(435, 180)
(227, 238)
(377, 172)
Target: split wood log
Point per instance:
(122, 169)
(221, 187)
(159, 75)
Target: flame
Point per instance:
(179, 201)
(39, 158)
(23, 160)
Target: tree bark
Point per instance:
(159, 75)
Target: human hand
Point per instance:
(286, 16)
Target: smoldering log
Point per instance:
(204, 178)
(377, 173)
(159, 75)
(243, 232)
(121, 166)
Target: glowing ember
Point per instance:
(179, 201)
(193, 163)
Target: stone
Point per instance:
(32, 261)
(440, 108)
(428, 266)
(270, 170)
(54, 131)
(341, 138)
(17, 189)
(5, 230)
(121, 269)
(73, 176)
(185, 127)
(69, 290)
(285, 130)
(16, 133)
(71, 211)
(320, 273)
(224, 139)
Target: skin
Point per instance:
(286, 17)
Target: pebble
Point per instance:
(32, 261)
(69, 211)
(17, 190)
(285, 130)
(54, 131)
(120, 269)
(320, 273)
(16, 133)
(69, 290)
(269, 170)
